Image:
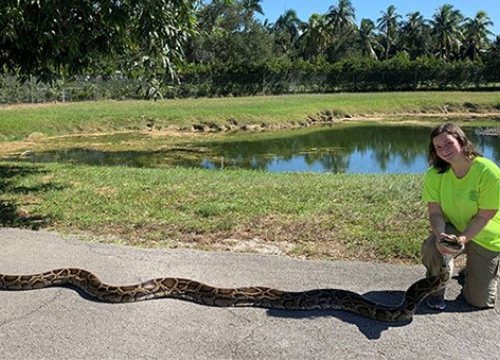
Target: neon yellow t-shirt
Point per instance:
(460, 199)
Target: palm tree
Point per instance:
(446, 30)
(342, 15)
(251, 7)
(287, 29)
(341, 21)
(476, 34)
(367, 38)
(415, 34)
(289, 22)
(388, 25)
(248, 9)
(316, 36)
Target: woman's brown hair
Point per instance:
(454, 130)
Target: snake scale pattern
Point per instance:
(200, 293)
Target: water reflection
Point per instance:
(353, 149)
(341, 149)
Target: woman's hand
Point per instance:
(450, 250)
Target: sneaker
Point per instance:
(436, 303)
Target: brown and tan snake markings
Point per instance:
(200, 293)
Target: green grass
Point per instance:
(315, 215)
(371, 217)
(53, 119)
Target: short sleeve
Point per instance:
(489, 188)
(432, 185)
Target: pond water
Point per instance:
(340, 149)
(350, 149)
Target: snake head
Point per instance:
(451, 242)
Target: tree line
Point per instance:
(230, 32)
(160, 48)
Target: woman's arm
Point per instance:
(436, 218)
(477, 224)
(438, 225)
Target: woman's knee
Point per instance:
(482, 276)
(480, 301)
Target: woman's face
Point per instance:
(447, 146)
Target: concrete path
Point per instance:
(58, 323)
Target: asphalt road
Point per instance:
(58, 323)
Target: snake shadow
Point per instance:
(373, 329)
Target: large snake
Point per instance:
(200, 293)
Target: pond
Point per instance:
(340, 149)
(350, 149)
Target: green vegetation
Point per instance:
(141, 49)
(377, 217)
(128, 49)
(306, 215)
(352, 74)
(48, 39)
(233, 113)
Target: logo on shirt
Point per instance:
(473, 195)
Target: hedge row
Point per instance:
(277, 77)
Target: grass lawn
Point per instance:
(19, 121)
(308, 215)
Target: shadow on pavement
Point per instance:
(373, 329)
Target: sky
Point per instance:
(371, 9)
